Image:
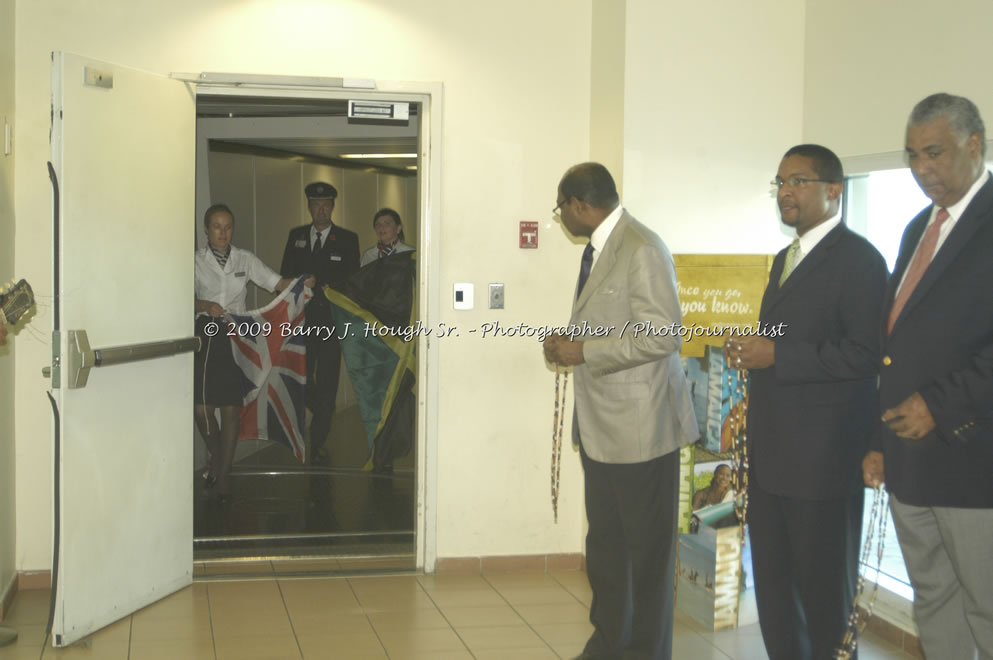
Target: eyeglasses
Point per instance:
(795, 182)
(558, 208)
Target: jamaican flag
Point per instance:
(378, 302)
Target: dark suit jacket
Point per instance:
(334, 262)
(942, 347)
(810, 415)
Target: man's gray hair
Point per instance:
(963, 115)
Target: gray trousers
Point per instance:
(949, 556)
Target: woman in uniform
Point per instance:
(221, 276)
(389, 231)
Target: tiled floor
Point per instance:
(511, 616)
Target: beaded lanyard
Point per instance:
(558, 419)
(856, 624)
(738, 410)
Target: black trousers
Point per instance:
(805, 557)
(631, 556)
(323, 370)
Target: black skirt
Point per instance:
(222, 385)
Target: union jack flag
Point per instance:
(273, 363)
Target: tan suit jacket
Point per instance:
(632, 400)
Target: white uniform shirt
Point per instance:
(372, 254)
(227, 287)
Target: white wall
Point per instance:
(713, 98)
(7, 273)
(868, 63)
(516, 77)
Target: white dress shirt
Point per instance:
(813, 236)
(955, 212)
(227, 286)
(600, 235)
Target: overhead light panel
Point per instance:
(370, 156)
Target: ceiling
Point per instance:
(316, 128)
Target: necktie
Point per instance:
(584, 268)
(922, 259)
(317, 243)
(791, 256)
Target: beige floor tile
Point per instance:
(258, 614)
(372, 603)
(420, 641)
(238, 627)
(30, 607)
(414, 654)
(500, 615)
(433, 583)
(573, 650)
(565, 633)
(332, 599)
(257, 648)
(401, 584)
(314, 585)
(96, 649)
(328, 601)
(341, 645)
(537, 653)
(417, 619)
(499, 637)
(549, 595)
(322, 622)
(687, 644)
(18, 652)
(191, 600)
(745, 642)
(155, 629)
(32, 635)
(243, 591)
(467, 598)
(518, 580)
(119, 631)
(187, 649)
(563, 613)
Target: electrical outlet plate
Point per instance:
(496, 296)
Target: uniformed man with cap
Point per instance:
(331, 254)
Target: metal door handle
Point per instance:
(81, 358)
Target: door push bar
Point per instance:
(81, 358)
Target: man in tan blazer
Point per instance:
(633, 412)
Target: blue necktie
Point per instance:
(584, 268)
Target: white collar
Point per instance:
(813, 236)
(600, 235)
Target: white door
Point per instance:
(123, 153)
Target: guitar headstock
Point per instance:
(15, 302)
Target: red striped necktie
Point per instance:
(922, 259)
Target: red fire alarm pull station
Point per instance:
(529, 234)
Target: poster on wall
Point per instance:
(720, 296)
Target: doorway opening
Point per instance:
(256, 154)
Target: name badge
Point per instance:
(301, 244)
(335, 257)
(241, 274)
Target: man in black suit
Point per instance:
(936, 384)
(811, 411)
(331, 254)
